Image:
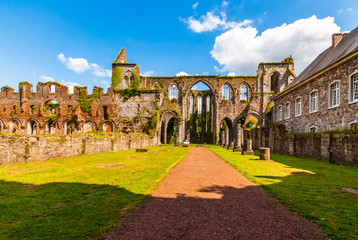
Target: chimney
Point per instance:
(336, 38)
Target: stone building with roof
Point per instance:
(324, 97)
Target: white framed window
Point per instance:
(173, 92)
(334, 94)
(200, 104)
(354, 125)
(298, 107)
(208, 103)
(287, 110)
(313, 101)
(244, 92)
(353, 88)
(279, 113)
(312, 129)
(226, 91)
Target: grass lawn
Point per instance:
(311, 187)
(79, 197)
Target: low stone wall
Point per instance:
(340, 148)
(26, 149)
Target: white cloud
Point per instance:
(181, 74)
(349, 9)
(148, 73)
(211, 21)
(80, 65)
(100, 72)
(241, 49)
(231, 74)
(195, 5)
(47, 78)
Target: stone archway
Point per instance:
(32, 127)
(226, 136)
(170, 128)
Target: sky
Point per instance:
(75, 42)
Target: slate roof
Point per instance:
(346, 46)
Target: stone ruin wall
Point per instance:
(339, 148)
(27, 149)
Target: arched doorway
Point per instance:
(169, 129)
(199, 126)
(226, 136)
(32, 127)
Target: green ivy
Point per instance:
(116, 77)
(250, 123)
(130, 92)
(224, 126)
(51, 118)
(86, 100)
(136, 80)
(152, 123)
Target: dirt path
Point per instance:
(206, 198)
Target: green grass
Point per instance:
(311, 187)
(75, 198)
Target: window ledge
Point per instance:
(313, 112)
(352, 102)
(332, 107)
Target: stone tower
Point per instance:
(123, 73)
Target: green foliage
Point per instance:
(14, 111)
(269, 108)
(130, 92)
(310, 187)
(51, 118)
(79, 197)
(117, 77)
(7, 88)
(223, 126)
(136, 80)
(86, 100)
(250, 123)
(151, 126)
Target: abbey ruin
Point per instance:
(166, 108)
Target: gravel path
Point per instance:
(206, 198)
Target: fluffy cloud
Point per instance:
(211, 21)
(106, 83)
(148, 73)
(80, 65)
(240, 49)
(231, 74)
(181, 74)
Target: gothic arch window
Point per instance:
(191, 104)
(208, 103)
(226, 91)
(298, 107)
(173, 92)
(200, 104)
(244, 92)
(287, 110)
(279, 113)
(157, 86)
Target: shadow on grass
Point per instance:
(61, 210)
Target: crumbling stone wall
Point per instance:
(339, 148)
(26, 149)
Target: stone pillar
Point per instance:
(230, 145)
(248, 147)
(165, 131)
(222, 140)
(227, 137)
(238, 142)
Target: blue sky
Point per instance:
(75, 42)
